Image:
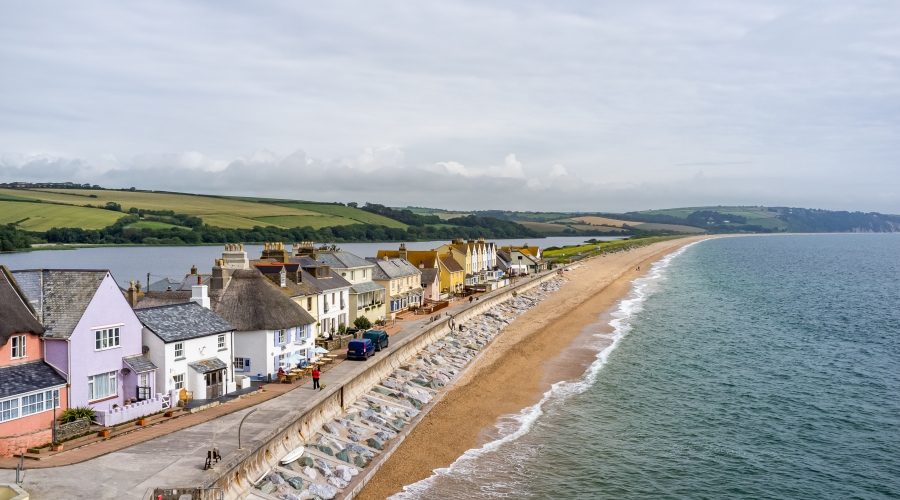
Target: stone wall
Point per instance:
(243, 470)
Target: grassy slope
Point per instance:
(43, 216)
(215, 211)
(152, 224)
(354, 214)
(755, 215)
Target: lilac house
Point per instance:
(92, 337)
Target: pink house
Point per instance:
(30, 389)
(92, 337)
(431, 283)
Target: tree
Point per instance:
(362, 323)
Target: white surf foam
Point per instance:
(512, 427)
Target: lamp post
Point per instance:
(242, 424)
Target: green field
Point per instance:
(759, 216)
(43, 216)
(153, 224)
(355, 215)
(215, 211)
(578, 252)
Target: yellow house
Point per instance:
(452, 274)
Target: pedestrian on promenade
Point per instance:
(315, 375)
(281, 374)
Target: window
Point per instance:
(29, 404)
(179, 381)
(106, 338)
(221, 341)
(18, 346)
(9, 409)
(52, 399)
(353, 275)
(280, 337)
(179, 350)
(332, 299)
(309, 303)
(102, 386)
(242, 364)
(32, 403)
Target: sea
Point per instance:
(141, 263)
(747, 367)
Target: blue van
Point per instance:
(360, 349)
(379, 337)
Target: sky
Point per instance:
(521, 105)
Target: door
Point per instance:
(143, 387)
(214, 383)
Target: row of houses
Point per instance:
(74, 338)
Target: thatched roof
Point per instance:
(252, 302)
(16, 314)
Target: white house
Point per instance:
(191, 346)
(366, 296)
(272, 331)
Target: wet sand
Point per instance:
(542, 346)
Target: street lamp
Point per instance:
(242, 424)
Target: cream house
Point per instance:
(402, 282)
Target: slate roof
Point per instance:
(164, 285)
(28, 377)
(366, 286)
(177, 322)
(387, 269)
(139, 364)
(451, 264)
(208, 365)
(429, 275)
(252, 302)
(332, 282)
(60, 296)
(16, 314)
(342, 260)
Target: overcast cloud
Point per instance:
(462, 105)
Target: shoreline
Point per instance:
(503, 379)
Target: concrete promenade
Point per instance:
(174, 455)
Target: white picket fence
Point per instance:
(125, 413)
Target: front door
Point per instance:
(143, 388)
(214, 383)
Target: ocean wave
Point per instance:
(512, 427)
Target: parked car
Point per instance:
(378, 337)
(360, 349)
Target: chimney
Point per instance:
(134, 293)
(220, 276)
(403, 253)
(199, 295)
(234, 257)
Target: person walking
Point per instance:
(315, 375)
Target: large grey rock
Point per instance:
(323, 491)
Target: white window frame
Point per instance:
(220, 342)
(38, 401)
(281, 337)
(179, 348)
(112, 380)
(107, 338)
(178, 380)
(17, 347)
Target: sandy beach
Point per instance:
(534, 351)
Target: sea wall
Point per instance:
(244, 470)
